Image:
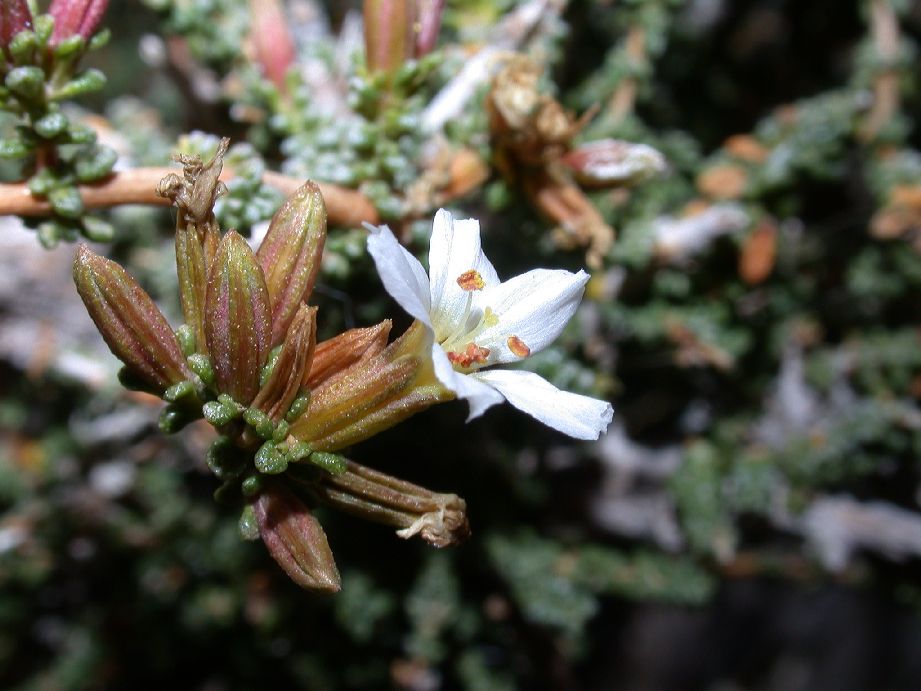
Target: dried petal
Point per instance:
(290, 254)
(286, 379)
(295, 539)
(133, 327)
(237, 324)
(613, 162)
(389, 33)
(14, 17)
(75, 18)
(341, 352)
(271, 40)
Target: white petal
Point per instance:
(578, 416)
(480, 396)
(454, 249)
(534, 306)
(402, 274)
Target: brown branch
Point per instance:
(884, 27)
(138, 186)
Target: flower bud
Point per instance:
(295, 539)
(14, 17)
(341, 352)
(389, 33)
(271, 40)
(290, 254)
(287, 377)
(132, 326)
(238, 323)
(75, 18)
(428, 25)
(611, 162)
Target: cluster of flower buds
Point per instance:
(534, 142)
(247, 361)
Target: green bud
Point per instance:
(70, 47)
(251, 486)
(43, 182)
(218, 414)
(298, 407)
(23, 47)
(87, 81)
(270, 460)
(186, 339)
(44, 26)
(78, 133)
(26, 82)
(91, 168)
(100, 39)
(51, 125)
(201, 365)
(260, 422)
(130, 380)
(299, 451)
(14, 147)
(174, 418)
(249, 526)
(49, 234)
(66, 201)
(179, 390)
(281, 432)
(332, 463)
(98, 230)
(224, 459)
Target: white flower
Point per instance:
(476, 321)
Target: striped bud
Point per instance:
(610, 162)
(285, 382)
(341, 352)
(75, 18)
(14, 17)
(290, 255)
(237, 325)
(389, 33)
(295, 539)
(131, 324)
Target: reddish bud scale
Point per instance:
(428, 25)
(237, 322)
(132, 326)
(290, 255)
(75, 18)
(14, 17)
(295, 539)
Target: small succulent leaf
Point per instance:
(290, 254)
(295, 539)
(131, 324)
(237, 325)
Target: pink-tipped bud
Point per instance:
(428, 25)
(132, 326)
(237, 319)
(271, 40)
(295, 539)
(14, 17)
(75, 18)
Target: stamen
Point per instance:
(518, 347)
(472, 354)
(471, 280)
